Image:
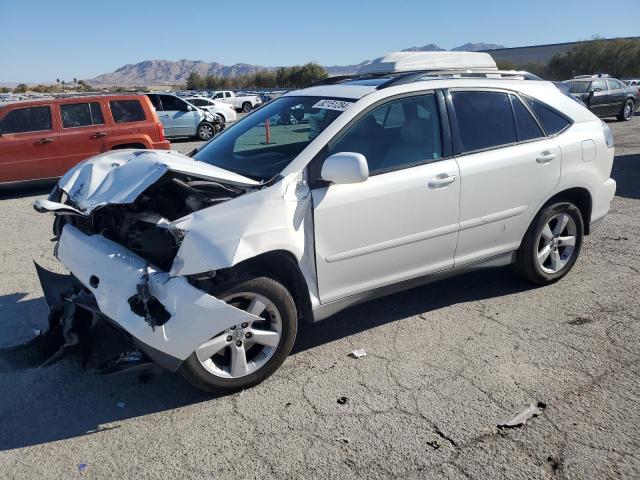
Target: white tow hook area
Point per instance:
(112, 273)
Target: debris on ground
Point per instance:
(344, 440)
(434, 444)
(82, 467)
(358, 352)
(343, 401)
(520, 419)
(579, 321)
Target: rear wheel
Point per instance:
(244, 355)
(246, 107)
(552, 244)
(627, 111)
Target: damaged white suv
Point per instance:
(326, 197)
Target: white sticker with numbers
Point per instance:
(332, 105)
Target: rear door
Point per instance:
(507, 167)
(599, 103)
(28, 144)
(617, 95)
(83, 133)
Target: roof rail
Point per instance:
(454, 73)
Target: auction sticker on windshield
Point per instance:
(339, 105)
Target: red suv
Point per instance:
(45, 138)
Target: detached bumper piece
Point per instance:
(73, 314)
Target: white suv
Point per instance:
(208, 262)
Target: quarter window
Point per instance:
(484, 120)
(551, 120)
(599, 84)
(526, 126)
(81, 114)
(399, 134)
(125, 111)
(34, 119)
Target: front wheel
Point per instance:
(246, 354)
(246, 107)
(206, 131)
(627, 111)
(551, 245)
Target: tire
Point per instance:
(561, 255)
(627, 111)
(206, 131)
(222, 122)
(246, 107)
(204, 373)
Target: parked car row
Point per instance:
(606, 96)
(45, 138)
(239, 101)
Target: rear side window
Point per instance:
(155, 101)
(484, 120)
(34, 119)
(81, 114)
(125, 111)
(526, 126)
(198, 102)
(551, 121)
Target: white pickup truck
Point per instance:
(243, 103)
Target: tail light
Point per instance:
(608, 136)
(160, 131)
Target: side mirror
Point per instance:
(345, 167)
(190, 108)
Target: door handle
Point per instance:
(99, 135)
(441, 181)
(44, 141)
(546, 157)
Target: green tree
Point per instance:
(21, 88)
(5, 90)
(195, 81)
(619, 58)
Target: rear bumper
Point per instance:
(163, 145)
(112, 274)
(601, 200)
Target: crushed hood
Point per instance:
(120, 176)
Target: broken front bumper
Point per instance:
(113, 275)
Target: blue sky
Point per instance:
(44, 40)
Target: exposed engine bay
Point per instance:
(145, 226)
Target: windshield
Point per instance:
(581, 86)
(263, 144)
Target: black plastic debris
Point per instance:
(520, 418)
(343, 401)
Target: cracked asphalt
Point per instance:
(445, 364)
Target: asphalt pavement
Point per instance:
(445, 365)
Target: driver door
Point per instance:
(402, 222)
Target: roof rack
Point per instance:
(401, 78)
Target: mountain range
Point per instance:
(166, 72)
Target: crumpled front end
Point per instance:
(177, 316)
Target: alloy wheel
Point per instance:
(556, 243)
(245, 348)
(628, 110)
